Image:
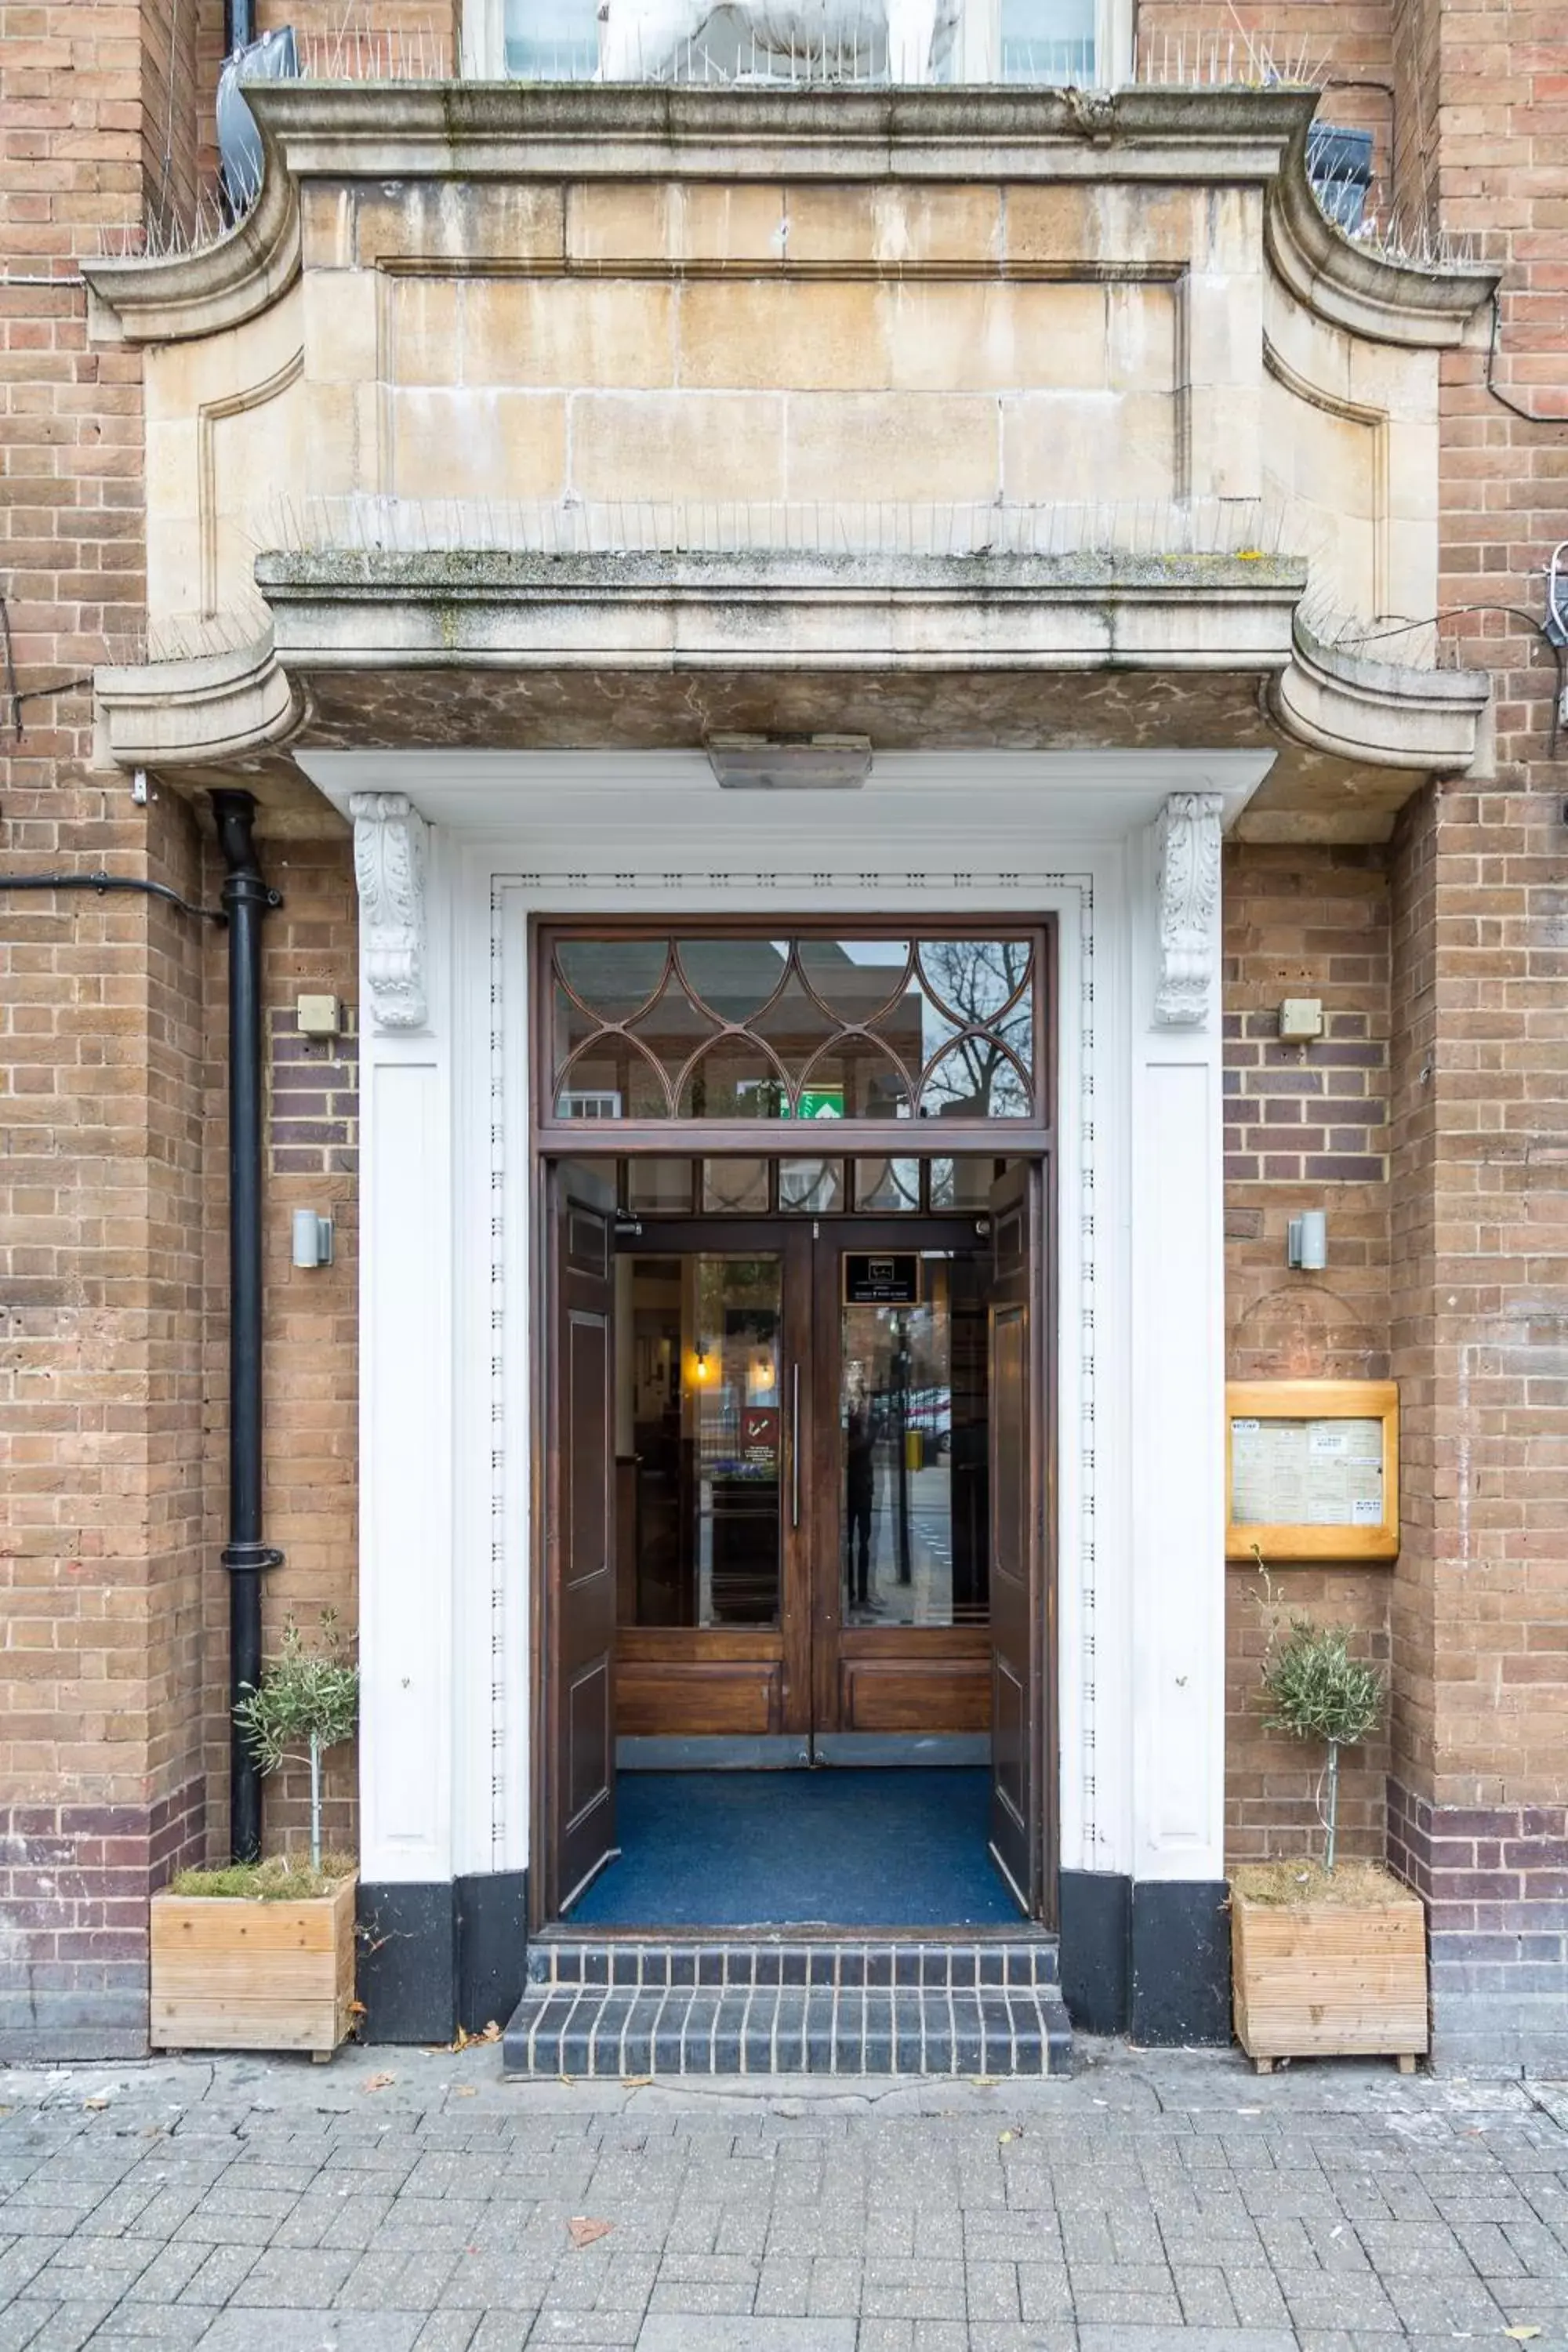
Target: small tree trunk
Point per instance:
(316, 1806)
(1332, 1806)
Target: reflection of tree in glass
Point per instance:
(975, 979)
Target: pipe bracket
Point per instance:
(239, 1556)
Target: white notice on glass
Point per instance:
(1313, 1473)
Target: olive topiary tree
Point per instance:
(304, 1703)
(1316, 1690)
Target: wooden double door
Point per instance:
(796, 1503)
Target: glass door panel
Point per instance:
(911, 1424)
(700, 1411)
(801, 1443)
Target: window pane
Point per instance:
(672, 1029)
(974, 980)
(856, 1080)
(888, 1185)
(734, 1080)
(855, 979)
(978, 1079)
(963, 1184)
(611, 1080)
(665, 1184)
(612, 977)
(811, 1187)
(736, 1184)
(1048, 42)
(553, 40)
(733, 977)
(795, 1027)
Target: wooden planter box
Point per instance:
(1329, 1980)
(231, 1973)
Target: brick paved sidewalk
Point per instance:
(411, 2202)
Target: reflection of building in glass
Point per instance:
(913, 1449)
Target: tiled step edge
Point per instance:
(594, 2032)
(633, 1964)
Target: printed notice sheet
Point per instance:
(1305, 1474)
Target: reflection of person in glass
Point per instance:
(860, 1502)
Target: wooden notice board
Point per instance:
(1312, 1470)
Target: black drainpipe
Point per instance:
(245, 899)
(239, 26)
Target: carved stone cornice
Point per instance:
(190, 712)
(412, 130)
(389, 868)
(1384, 714)
(348, 607)
(172, 297)
(1353, 285)
(1188, 892)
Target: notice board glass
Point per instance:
(1312, 1470)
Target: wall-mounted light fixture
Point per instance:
(1306, 1242)
(312, 1238)
(699, 1357)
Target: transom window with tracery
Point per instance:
(722, 1026)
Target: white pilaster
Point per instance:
(405, 1354)
(1177, 1356)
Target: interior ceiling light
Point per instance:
(797, 763)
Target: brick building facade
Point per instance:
(1426, 912)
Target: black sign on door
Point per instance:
(881, 1278)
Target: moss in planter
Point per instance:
(282, 1878)
(1301, 1880)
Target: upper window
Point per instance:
(719, 1026)
(1048, 43)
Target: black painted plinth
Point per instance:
(1148, 1958)
(1181, 1961)
(440, 1954)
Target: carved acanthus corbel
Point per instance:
(389, 867)
(1189, 899)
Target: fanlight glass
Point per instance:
(722, 1027)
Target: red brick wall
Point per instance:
(310, 1350)
(100, 1210)
(404, 39)
(1306, 1128)
(1481, 1245)
(1349, 50)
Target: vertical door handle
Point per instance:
(794, 1447)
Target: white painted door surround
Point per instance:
(454, 851)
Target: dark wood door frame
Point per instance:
(818, 1440)
(789, 1645)
(578, 1775)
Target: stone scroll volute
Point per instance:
(1188, 891)
(389, 868)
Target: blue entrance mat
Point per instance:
(833, 1848)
